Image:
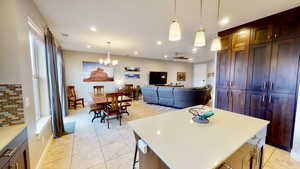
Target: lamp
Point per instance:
(200, 34)
(108, 61)
(175, 30)
(216, 43)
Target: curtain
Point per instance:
(53, 84)
(62, 84)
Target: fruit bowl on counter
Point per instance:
(201, 114)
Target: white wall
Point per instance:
(199, 74)
(15, 64)
(73, 66)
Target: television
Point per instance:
(158, 78)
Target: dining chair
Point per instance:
(129, 90)
(113, 109)
(97, 110)
(98, 90)
(73, 100)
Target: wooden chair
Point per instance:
(114, 108)
(72, 98)
(129, 90)
(98, 90)
(97, 110)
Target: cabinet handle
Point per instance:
(230, 83)
(271, 85)
(263, 98)
(9, 152)
(275, 36)
(265, 85)
(270, 99)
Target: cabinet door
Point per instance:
(284, 66)
(21, 159)
(256, 104)
(261, 34)
(241, 39)
(237, 101)
(238, 73)
(222, 99)
(287, 27)
(259, 67)
(6, 166)
(223, 69)
(281, 111)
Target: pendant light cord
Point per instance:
(219, 6)
(201, 11)
(175, 8)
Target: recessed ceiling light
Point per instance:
(224, 21)
(166, 56)
(93, 29)
(135, 53)
(190, 59)
(195, 50)
(88, 46)
(159, 42)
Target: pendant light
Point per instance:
(175, 30)
(216, 43)
(200, 34)
(108, 61)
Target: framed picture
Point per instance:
(132, 69)
(181, 76)
(132, 76)
(94, 72)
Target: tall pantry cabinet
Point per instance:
(257, 73)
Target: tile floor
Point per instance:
(93, 146)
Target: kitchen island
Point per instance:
(175, 141)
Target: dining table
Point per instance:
(101, 101)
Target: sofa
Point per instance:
(176, 97)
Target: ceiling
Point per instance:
(136, 25)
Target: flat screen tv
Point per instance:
(158, 78)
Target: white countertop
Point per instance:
(7, 134)
(183, 144)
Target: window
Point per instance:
(39, 75)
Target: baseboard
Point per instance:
(295, 156)
(39, 165)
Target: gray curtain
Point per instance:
(63, 95)
(53, 84)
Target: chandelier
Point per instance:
(108, 61)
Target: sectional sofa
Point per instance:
(176, 97)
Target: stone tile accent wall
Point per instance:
(11, 105)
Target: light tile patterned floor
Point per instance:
(93, 146)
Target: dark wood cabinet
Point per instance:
(241, 39)
(256, 104)
(258, 70)
(280, 111)
(237, 101)
(238, 72)
(261, 34)
(284, 66)
(222, 99)
(6, 166)
(287, 27)
(223, 69)
(16, 154)
(259, 67)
